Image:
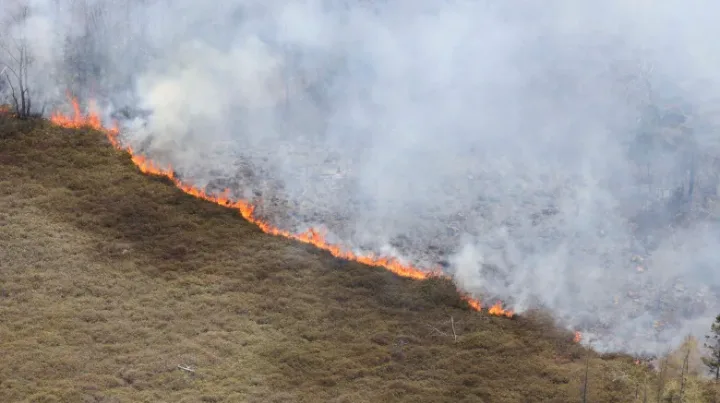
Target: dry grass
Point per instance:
(110, 279)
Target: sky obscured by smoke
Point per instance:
(497, 140)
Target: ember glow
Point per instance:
(312, 236)
(578, 337)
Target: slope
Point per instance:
(117, 286)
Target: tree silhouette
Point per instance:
(713, 344)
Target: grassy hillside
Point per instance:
(110, 280)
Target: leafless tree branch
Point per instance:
(18, 61)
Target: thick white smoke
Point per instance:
(558, 154)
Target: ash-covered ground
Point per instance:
(569, 184)
(629, 280)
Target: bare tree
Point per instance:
(16, 63)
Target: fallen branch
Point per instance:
(188, 369)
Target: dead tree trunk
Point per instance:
(661, 377)
(685, 364)
(585, 382)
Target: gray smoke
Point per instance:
(560, 155)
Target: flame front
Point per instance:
(247, 210)
(498, 310)
(578, 337)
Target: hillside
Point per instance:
(116, 287)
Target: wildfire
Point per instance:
(578, 337)
(498, 310)
(312, 236)
(77, 120)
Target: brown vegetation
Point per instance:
(116, 286)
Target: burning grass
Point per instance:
(117, 286)
(312, 236)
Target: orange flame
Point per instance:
(498, 310)
(578, 337)
(312, 236)
(77, 120)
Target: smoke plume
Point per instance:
(560, 155)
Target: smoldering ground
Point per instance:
(557, 155)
